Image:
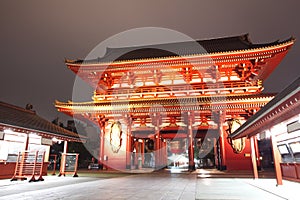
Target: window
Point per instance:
(283, 149)
(285, 154)
(295, 146)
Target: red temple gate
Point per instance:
(156, 107)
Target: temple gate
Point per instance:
(175, 104)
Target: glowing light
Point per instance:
(56, 140)
(8, 131)
(204, 176)
(268, 134)
(34, 135)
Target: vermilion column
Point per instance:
(156, 121)
(215, 151)
(101, 123)
(143, 152)
(164, 153)
(253, 157)
(128, 144)
(222, 144)
(257, 153)
(191, 143)
(157, 147)
(276, 158)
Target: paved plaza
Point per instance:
(148, 186)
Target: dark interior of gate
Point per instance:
(174, 142)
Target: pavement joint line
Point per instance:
(265, 190)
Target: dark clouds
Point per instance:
(36, 36)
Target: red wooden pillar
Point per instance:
(164, 153)
(253, 157)
(215, 151)
(143, 152)
(128, 143)
(128, 151)
(156, 121)
(140, 155)
(102, 138)
(191, 143)
(157, 147)
(136, 155)
(257, 153)
(222, 145)
(276, 158)
(101, 123)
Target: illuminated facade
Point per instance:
(175, 104)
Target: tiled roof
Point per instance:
(27, 119)
(225, 44)
(285, 96)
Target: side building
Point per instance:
(279, 123)
(23, 130)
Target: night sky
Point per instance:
(36, 37)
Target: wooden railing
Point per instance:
(180, 90)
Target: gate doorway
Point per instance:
(204, 151)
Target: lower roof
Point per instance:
(27, 120)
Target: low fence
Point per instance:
(69, 164)
(29, 165)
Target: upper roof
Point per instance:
(283, 106)
(226, 44)
(18, 117)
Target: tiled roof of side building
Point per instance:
(225, 44)
(284, 95)
(15, 116)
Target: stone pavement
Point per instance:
(148, 186)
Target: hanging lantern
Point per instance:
(238, 145)
(116, 136)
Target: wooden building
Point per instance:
(23, 130)
(175, 104)
(279, 121)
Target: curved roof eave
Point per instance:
(284, 43)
